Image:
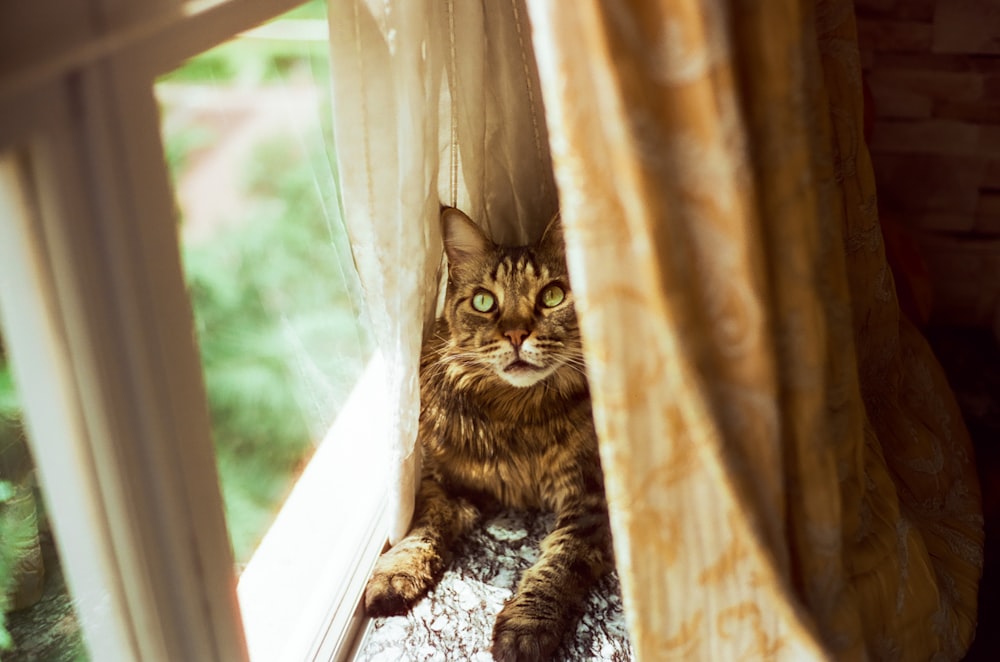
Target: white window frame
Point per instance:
(98, 325)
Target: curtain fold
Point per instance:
(434, 102)
(787, 472)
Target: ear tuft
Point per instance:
(463, 240)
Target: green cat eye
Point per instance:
(552, 296)
(483, 301)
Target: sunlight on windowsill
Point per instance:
(326, 537)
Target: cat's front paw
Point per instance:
(521, 636)
(402, 576)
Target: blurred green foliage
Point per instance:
(7, 563)
(279, 322)
(280, 331)
(277, 306)
(10, 433)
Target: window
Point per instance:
(278, 309)
(108, 314)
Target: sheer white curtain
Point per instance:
(434, 103)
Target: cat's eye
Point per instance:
(552, 296)
(483, 301)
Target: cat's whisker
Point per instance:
(504, 418)
(576, 363)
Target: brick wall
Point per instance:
(933, 67)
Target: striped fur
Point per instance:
(505, 422)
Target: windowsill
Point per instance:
(300, 591)
(455, 620)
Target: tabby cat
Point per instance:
(505, 422)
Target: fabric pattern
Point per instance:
(455, 620)
(787, 472)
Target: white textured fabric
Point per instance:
(434, 103)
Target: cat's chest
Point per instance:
(519, 463)
(516, 481)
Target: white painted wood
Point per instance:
(37, 337)
(162, 38)
(36, 31)
(20, 122)
(182, 527)
(301, 589)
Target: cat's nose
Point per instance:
(516, 336)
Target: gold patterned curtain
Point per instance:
(787, 471)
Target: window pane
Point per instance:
(38, 619)
(280, 323)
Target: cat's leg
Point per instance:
(551, 593)
(415, 564)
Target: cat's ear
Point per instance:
(463, 240)
(552, 237)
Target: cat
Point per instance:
(505, 422)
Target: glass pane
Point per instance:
(38, 619)
(282, 333)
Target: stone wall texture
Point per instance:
(933, 68)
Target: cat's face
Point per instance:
(509, 309)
